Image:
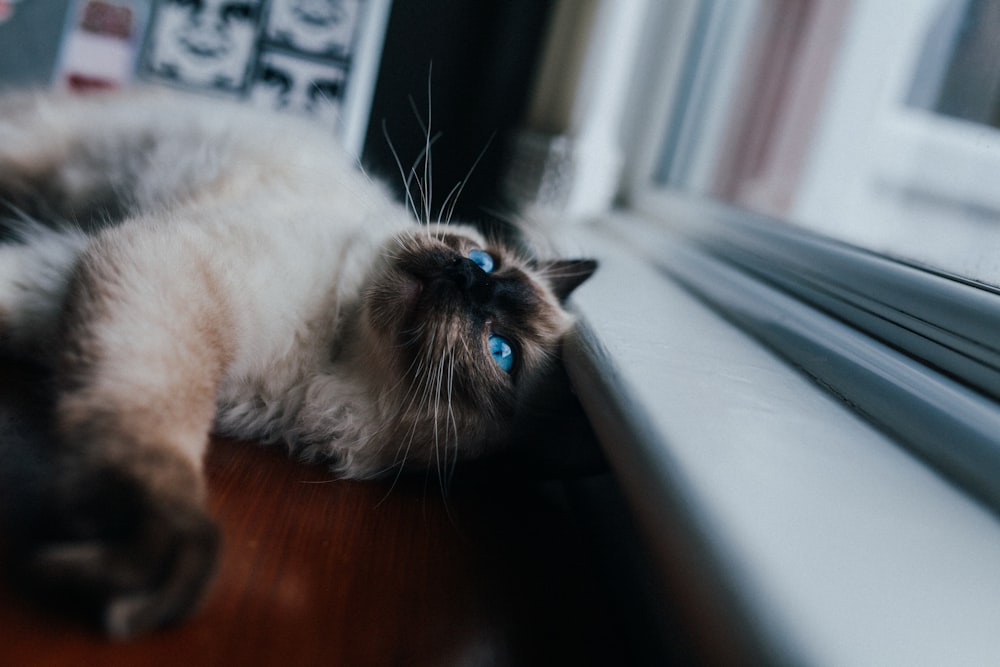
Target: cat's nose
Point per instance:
(470, 278)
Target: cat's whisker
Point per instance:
(468, 175)
(410, 204)
(465, 346)
(423, 187)
(456, 188)
(419, 386)
(428, 171)
(453, 423)
(402, 248)
(428, 141)
(402, 453)
(413, 336)
(437, 415)
(428, 399)
(412, 340)
(399, 464)
(412, 371)
(416, 382)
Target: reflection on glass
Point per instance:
(958, 73)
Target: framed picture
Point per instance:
(207, 44)
(283, 81)
(315, 57)
(319, 27)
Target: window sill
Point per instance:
(799, 532)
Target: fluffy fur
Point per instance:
(188, 266)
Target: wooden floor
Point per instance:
(316, 571)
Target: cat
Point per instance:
(188, 266)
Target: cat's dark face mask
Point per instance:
(460, 327)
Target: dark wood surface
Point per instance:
(317, 571)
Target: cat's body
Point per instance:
(188, 266)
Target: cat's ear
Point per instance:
(565, 275)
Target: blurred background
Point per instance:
(874, 123)
(377, 71)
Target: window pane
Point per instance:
(873, 122)
(958, 71)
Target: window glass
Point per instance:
(876, 123)
(957, 72)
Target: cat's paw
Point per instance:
(123, 558)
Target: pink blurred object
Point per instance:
(99, 47)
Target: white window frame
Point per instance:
(874, 155)
(787, 440)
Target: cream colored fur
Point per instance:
(253, 227)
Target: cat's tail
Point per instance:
(36, 262)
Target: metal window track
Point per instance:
(914, 351)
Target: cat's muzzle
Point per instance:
(470, 279)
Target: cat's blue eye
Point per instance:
(482, 259)
(502, 352)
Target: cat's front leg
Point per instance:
(116, 549)
(127, 539)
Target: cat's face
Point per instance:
(459, 327)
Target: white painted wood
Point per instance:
(843, 548)
(364, 69)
